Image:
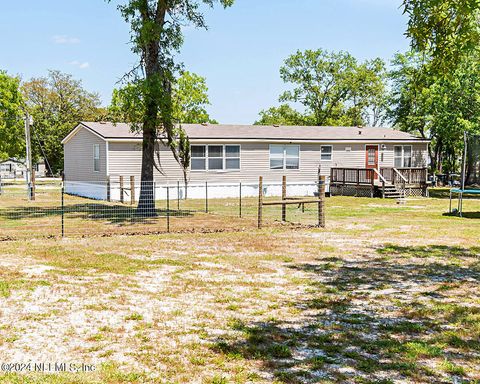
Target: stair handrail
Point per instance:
(382, 179)
(399, 174)
(404, 180)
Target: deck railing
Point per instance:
(409, 176)
(359, 176)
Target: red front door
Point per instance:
(371, 157)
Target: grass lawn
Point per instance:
(387, 293)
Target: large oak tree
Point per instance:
(57, 103)
(156, 36)
(446, 30)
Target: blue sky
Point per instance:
(240, 54)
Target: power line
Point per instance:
(43, 152)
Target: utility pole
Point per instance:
(28, 160)
(464, 162)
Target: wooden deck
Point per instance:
(386, 182)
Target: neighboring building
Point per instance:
(16, 169)
(12, 169)
(225, 155)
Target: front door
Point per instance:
(371, 158)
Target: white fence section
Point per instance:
(104, 191)
(91, 190)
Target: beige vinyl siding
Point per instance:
(78, 159)
(356, 156)
(125, 159)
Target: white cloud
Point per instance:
(64, 39)
(80, 64)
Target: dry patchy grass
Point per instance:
(386, 294)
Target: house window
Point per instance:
(326, 152)
(232, 160)
(403, 156)
(96, 157)
(284, 157)
(407, 156)
(215, 157)
(372, 156)
(199, 157)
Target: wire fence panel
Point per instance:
(125, 207)
(22, 217)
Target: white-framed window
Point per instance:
(284, 156)
(232, 157)
(215, 157)
(402, 156)
(96, 157)
(326, 152)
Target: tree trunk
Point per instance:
(185, 179)
(146, 203)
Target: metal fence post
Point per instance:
(321, 201)
(63, 209)
(178, 195)
(240, 202)
(109, 193)
(33, 184)
(0, 185)
(168, 209)
(206, 196)
(121, 189)
(284, 197)
(260, 201)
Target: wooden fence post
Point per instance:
(284, 197)
(132, 190)
(121, 189)
(321, 203)
(260, 201)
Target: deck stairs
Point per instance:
(392, 192)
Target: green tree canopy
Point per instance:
(436, 108)
(334, 89)
(189, 101)
(57, 102)
(282, 115)
(11, 115)
(446, 30)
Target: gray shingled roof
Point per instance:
(258, 132)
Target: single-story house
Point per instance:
(97, 154)
(15, 168)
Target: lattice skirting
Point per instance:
(351, 190)
(366, 191)
(415, 192)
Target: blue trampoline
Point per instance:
(470, 167)
(460, 193)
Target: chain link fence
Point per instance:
(123, 207)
